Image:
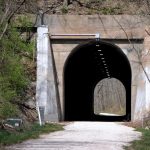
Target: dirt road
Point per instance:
(84, 136)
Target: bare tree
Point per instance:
(109, 97)
(136, 51)
(8, 10)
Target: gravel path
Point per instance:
(83, 136)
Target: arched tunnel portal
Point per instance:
(87, 65)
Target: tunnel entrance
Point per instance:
(86, 66)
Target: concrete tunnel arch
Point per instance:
(86, 65)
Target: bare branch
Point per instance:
(4, 30)
(145, 72)
(139, 57)
(103, 24)
(13, 13)
(4, 15)
(147, 32)
(8, 18)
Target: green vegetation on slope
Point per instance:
(7, 138)
(15, 51)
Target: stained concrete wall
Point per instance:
(61, 52)
(46, 89)
(112, 28)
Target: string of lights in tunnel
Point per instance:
(104, 61)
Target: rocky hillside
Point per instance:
(89, 7)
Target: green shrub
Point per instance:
(13, 76)
(7, 110)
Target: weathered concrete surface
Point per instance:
(84, 136)
(46, 90)
(110, 27)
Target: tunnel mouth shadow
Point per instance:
(88, 64)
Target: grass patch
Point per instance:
(30, 132)
(143, 143)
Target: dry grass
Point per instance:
(134, 124)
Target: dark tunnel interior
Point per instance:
(88, 64)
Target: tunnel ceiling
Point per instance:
(102, 60)
(85, 67)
